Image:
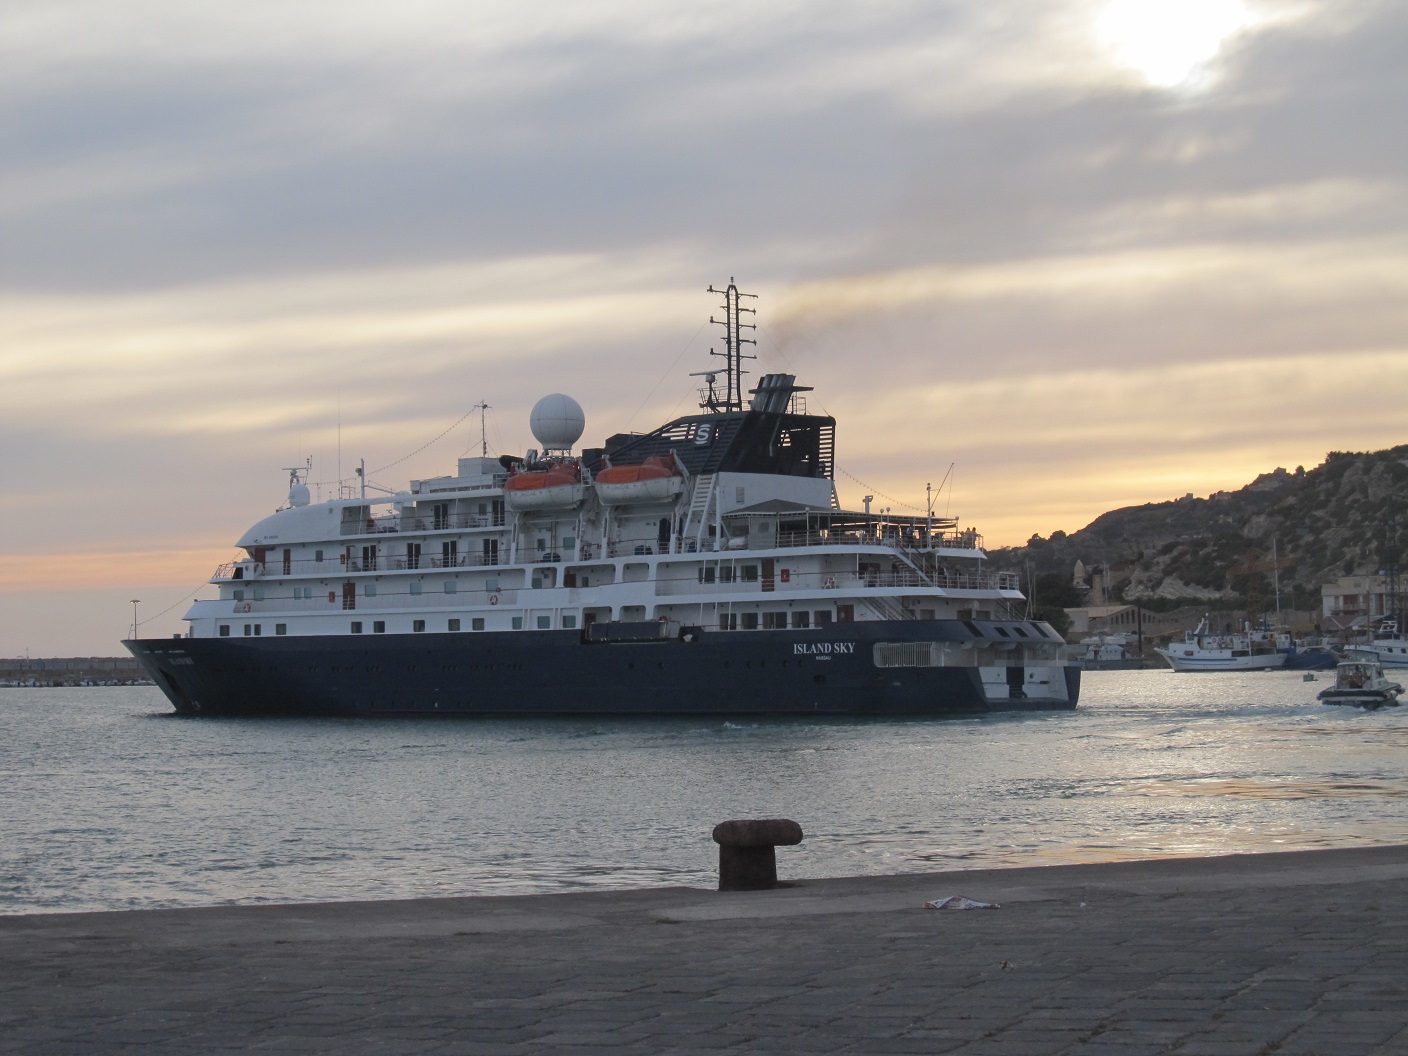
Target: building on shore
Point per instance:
(1352, 603)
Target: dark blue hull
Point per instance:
(822, 671)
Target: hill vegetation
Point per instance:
(1347, 516)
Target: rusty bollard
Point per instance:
(747, 860)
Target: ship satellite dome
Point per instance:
(298, 494)
(557, 422)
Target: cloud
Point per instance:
(981, 238)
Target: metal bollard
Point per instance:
(747, 855)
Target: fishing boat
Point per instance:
(1361, 683)
(706, 567)
(1388, 647)
(1203, 649)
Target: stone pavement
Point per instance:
(1303, 953)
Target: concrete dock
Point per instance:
(1302, 953)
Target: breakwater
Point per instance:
(72, 671)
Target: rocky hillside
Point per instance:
(1348, 515)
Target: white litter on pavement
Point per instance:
(960, 902)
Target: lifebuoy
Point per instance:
(332, 595)
(493, 599)
(830, 583)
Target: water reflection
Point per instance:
(109, 807)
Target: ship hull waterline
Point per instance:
(822, 671)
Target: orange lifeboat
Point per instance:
(557, 487)
(657, 479)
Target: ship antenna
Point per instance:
(733, 325)
(481, 406)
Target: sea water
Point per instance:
(109, 801)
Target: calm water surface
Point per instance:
(109, 801)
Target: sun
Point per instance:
(1169, 42)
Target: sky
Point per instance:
(1056, 257)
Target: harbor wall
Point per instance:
(70, 671)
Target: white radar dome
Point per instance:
(557, 422)
(298, 494)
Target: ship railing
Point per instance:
(907, 540)
(848, 581)
(370, 605)
(336, 564)
(422, 522)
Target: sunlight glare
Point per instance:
(1169, 42)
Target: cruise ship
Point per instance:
(703, 568)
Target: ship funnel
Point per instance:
(774, 392)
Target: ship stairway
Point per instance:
(701, 506)
(888, 608)
(925, 566)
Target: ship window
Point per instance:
(491, 584)
(370, 590)
(518, 623)
(224, 630)
(569, 540)
(248, 630)
(378, 627)
(258, 630)
(453, 625)
(317, 555)
(801, 619)
(1002, 631)
(750, 621)
(258, 593)
(1019, 632)
(238, 594)
(706, 574)
(476, 624)
(823, 618)
(544, 622)
(417, 587)
(569, 622)
(750, 573)
(726, 574)
(738, 496)
(356, 626)
(417, 626)
(451, 586)
(281, 628)
(728, 621)
(773, 621)
(928, 614)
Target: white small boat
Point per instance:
(1388, 647)
(1361, 683)
(1203, 650)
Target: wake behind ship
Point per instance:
(704, 568)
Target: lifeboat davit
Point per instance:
(657, 479)
(558, 487)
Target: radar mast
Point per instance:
(733, 354)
